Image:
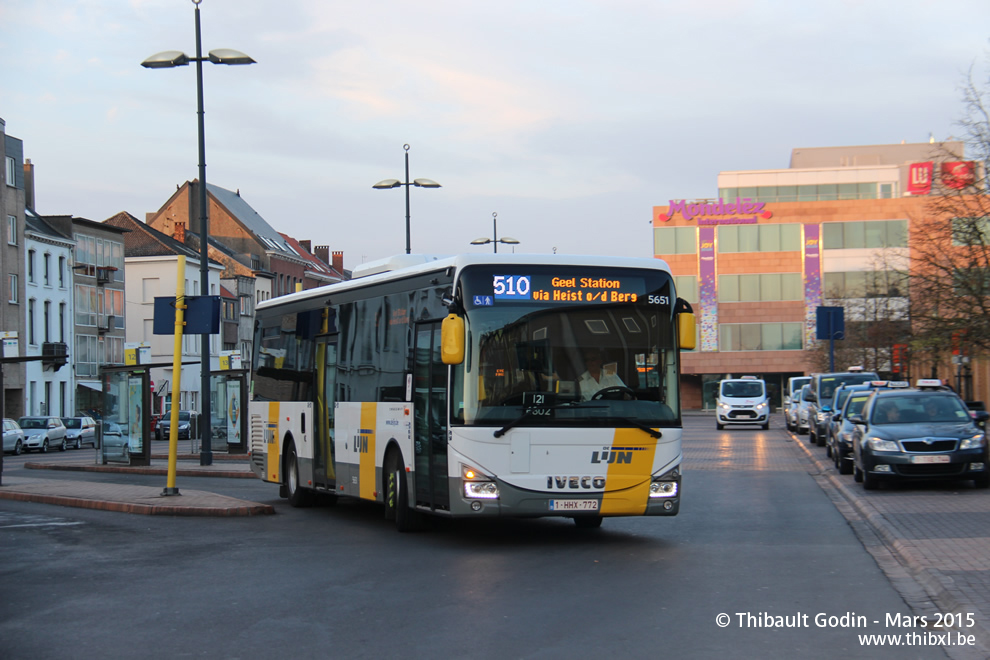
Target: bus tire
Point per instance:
(588, 522)
(297, 496)
(397, 496)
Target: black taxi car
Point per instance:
(914, 434)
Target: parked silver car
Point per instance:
(80, 431)
(13, 437)
(41, 433)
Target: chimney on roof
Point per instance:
(338, 262)
(179, 232)
(28, 184)
(322, 252)
(307, 245)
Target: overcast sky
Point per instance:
(570, 119)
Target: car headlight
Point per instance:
(876, 444)
(975, 442)
(184, 427)
(761, 406)
(724, 406)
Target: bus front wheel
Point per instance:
(297, 496)
(397, 495)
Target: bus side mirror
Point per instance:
(686, 331)
(452, 339)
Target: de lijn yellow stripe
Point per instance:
(272, 454)
(628, 479)
(366, 449)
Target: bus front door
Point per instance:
(326, 361)
(430, 420)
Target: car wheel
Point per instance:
(982, 481)
(869, 481)
(17, 448)
(828, 451)
(845, 466)
(44, 447)
(719, 426)
(61, 445)
(820, 441)
(766, 427)
(78, 444)
(857, 474)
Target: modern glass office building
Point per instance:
(759, 259)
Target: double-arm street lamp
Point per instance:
(495, 240)
(173, 58)
(395, 183)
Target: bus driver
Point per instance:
(595, 378)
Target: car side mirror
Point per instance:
(857, 419)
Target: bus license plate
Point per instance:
(941, 458)
(574, 505)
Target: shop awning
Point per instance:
(91, 384)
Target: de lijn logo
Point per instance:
(744, 211)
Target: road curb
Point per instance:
(247, 509)
(129, 469)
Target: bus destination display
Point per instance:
(546, 288)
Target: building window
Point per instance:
(760, 336)
(11, 230)
(61, 322)
(763, 287)
(86, 359)
(970, 231)
(866, 284)
(12, 282)
(47, 269)
(245, 306)
(870, 234)
(759, 238)
(11, 171)
(822, 192)
(30, 319)
(61, 272)
(675, 240)
(686, 287)
(87, 306)
(113, 305)
(48, 320)
(30, 266)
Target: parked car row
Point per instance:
(44, 432)
(883, 431)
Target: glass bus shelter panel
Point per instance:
(126, 426)
(227, 428)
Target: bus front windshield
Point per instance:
(567, 346)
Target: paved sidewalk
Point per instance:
(938, 534)
(148, 500)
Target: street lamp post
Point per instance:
(495, 240)
(395, 183)
(169, 59)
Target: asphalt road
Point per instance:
(756, 539)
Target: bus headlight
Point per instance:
(481, 490)
(663, 489)
(478, 486)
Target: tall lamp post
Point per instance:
(495, 240)
(395, 183)
(165, 60)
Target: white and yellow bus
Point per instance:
(459, 387)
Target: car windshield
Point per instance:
(28, 423)
(829, 383)
(855, 405)
(71, 422)
(742, 389)
(919, 410)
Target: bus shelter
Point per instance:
(125, 428)
(228, 428)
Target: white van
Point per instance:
(742, 401)
(794, 385)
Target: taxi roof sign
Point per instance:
(928, 382)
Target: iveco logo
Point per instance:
(575, 482)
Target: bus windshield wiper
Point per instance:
(632, 422)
